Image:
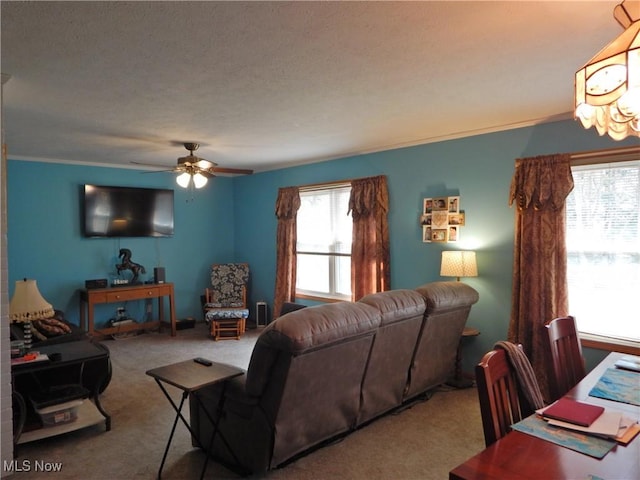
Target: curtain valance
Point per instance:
(541, 182)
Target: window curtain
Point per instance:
(287, 206)
(539, 188)
(369, 205)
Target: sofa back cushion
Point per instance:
(307, 368)
(448, 306)
(392, 352)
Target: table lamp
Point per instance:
(459, 263)
(28, 305)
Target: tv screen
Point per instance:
(127, 211)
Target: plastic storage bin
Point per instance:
(60, 413)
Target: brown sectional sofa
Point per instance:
(321, 372)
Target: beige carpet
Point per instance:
(421, 442)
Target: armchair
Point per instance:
(225, 306)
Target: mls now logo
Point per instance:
(31, 466)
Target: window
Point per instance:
(324, 243)
(603, 251)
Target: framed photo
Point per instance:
(453, 233)
(453, 204)
(439, 235)
(439, 219)
(456, 219)
(440, 203)
(426, 234)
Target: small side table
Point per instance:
(458, 380)
(190, 377)
(73, 358)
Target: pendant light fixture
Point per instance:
(607, 88)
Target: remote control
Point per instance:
(203, 361)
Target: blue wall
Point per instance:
(478, 168)
(45, 241)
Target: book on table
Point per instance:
(573, 411)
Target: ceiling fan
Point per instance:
(197, 170)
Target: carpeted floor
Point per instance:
(424, 441)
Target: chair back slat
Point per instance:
(568, 366)
(500, 402)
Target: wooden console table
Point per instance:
(91, 297)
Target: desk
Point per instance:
(91, 297)
(190, 377)
(522, 456)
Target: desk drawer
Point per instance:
(119, 296)
(96, 296)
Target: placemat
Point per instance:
(593, 446)
(618, 385)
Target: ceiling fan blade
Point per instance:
(238, 171)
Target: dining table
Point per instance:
(520, 455)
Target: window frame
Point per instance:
(624, 154)
(328, 297)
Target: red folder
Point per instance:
(572, 411)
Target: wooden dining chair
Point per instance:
(501, 402)
(568, 366)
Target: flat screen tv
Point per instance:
(126, 211)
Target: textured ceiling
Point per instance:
(267, 84)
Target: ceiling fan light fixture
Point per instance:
(199, 180)
(607, 88)
(204, 164)
(197, 169)
(183, 179)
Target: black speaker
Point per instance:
(97, 283)
(262, 314)
(158, 275)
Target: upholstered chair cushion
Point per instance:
(227, 283)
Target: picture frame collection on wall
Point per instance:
(441, 219)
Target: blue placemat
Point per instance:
(593, 446)
(618, 385)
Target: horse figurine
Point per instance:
(127, 264)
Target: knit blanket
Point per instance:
(524, 373)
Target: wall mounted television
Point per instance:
(110, 211)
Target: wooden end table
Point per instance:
(190, 377)
(458, 381)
